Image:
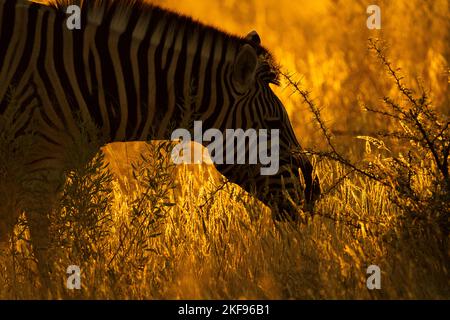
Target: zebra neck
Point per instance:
(166, 70)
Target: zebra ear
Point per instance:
(245, 67)
(254, 38)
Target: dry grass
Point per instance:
(181, 232)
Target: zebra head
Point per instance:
(258, 107)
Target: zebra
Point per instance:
(134, 70)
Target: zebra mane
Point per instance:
(268, 71)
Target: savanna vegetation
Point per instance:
(371, 107)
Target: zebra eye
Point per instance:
(269, 72)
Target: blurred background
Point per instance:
(153, 230)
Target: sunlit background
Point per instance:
(217, 242)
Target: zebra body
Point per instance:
(135, 71)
